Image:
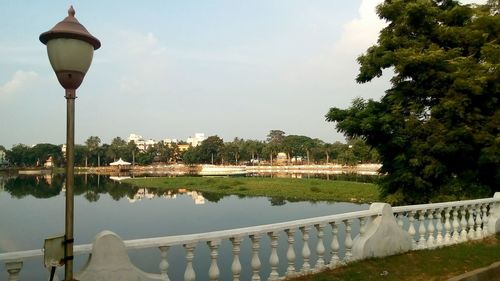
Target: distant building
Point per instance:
(63, 150)
(183, 147)
(282, 158)
(170, 141)
(197, 139)
(3, 161)
(140, 142)
(49, 163)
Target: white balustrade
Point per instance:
(463, 224)
(189, 274)
(479, 222)
(439, 228)
(274, 259)
(236, 266)
(485, 220)
(14, 268)
(431, 242)
(164, 262)
(306, 253)
(447, 226)
(411, 229)
(439, 224)
(213, 271)
(290, 253)
(335, 246)
(456, 225)
(348, 240)
(422, 244)
(470, 222)
(255, 263)
(320, 247)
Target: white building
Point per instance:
(169, 141)
(140, 142)
(2, 158)
(197, 139)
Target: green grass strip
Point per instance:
(284, 188)
(438, 264)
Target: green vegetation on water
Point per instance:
(438, 264)
(284, 188)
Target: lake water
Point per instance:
(32, 209)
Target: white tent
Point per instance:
(120, 162)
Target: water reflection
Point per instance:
(101, 203)
(92, 187)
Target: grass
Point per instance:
(283, 188)
(438, 264)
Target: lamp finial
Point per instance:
(71, 11)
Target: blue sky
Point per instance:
(169, 69)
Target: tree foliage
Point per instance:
(437, 127)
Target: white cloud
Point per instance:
(137, 61)
(361, 32)
(20, 81)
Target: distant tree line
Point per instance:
(211, 150)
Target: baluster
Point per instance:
(431, 241)
(334, 261)
(456, 236)
(213, 271)
(439, 228)
(447, 226)
(13, 268)
(255, 257)
(362, 227)
(236, 266)
(421, 230)
(189, 274)
(470, 222)
(485, 221)
(400, 220)
(290, 253)
(306, 253)
(164, 262)
(479, 222)
(274, 259)
(348, 240)
(411, 229)
(320, 247)
(463, 225)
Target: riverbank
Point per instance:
(282, 188)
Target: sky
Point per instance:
(170, 69)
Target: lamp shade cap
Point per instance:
(70, 28)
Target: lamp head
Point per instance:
(70, 48)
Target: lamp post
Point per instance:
(70, 48)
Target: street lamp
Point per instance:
(70, 48)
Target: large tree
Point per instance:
(437, 127)
(211, 150)
(93, 143)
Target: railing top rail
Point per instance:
(246, 231)
(443, 205)
(206, 236)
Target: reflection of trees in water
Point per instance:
(277, 201)
(36, 186)
(89, 186)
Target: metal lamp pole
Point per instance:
(70, 48)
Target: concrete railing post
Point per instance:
(494, 219)
(383, 236)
